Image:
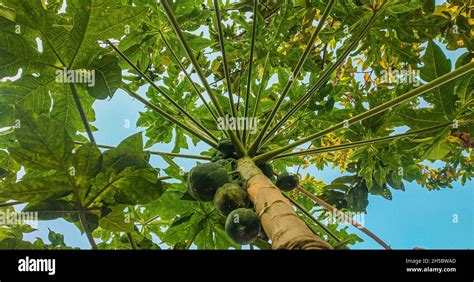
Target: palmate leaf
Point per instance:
(38, 94)
(117, 221)
(108, 182)
(108, 77)
(29, 92)
(191, 221)
(75, 36)
(126, 176)
(86, 164)
(121, 175)
(19, 50)
(74, 41)
(87, 160)
(51, 209)
(128, 154)
(43, 144)
(42, 141)
(56, 239)
(65, 110)
(443, 102)
(8, 167)
(37, 189)
(95, 20)
(138, 190)
(435, 65)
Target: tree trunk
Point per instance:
(280, 222)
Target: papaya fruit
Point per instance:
(242, 226)
(204, 180)
(230, 197)
(226, 147)
(287, 181)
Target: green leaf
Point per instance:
(401, 6)
(51, 209)
(137, 182)
(37, 189)
(395, 181)
(29, 92)
(357, 198)
(173, 170)
(412, 172)
(8, 167)
(65, 108)
(108, 77)
(464, 89)
(56, 239)
(43, 142)
(137, 190)
(435, 65)
(345, 180)
(133, 142)
(123, 157)
(87, 161)
(18, 50)
(6, 233)
(197, 42)
(439, 149)
(117, 221)
(180, 141)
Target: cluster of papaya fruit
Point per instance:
(212, 182)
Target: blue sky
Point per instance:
(414, 218)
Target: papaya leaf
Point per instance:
(37, 189)
(56, 239)
(87, 161)
(30, 92)
(435, 65)
(43, 142)
(108, 77)
(51, 209)
(117, 221)
(136, 191)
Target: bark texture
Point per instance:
(279, 220)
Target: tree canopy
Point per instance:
(363, 86)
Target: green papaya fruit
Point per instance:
(287, 181)
(204, 180)
(230, 197)
(242, 226)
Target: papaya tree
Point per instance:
(257, 91)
